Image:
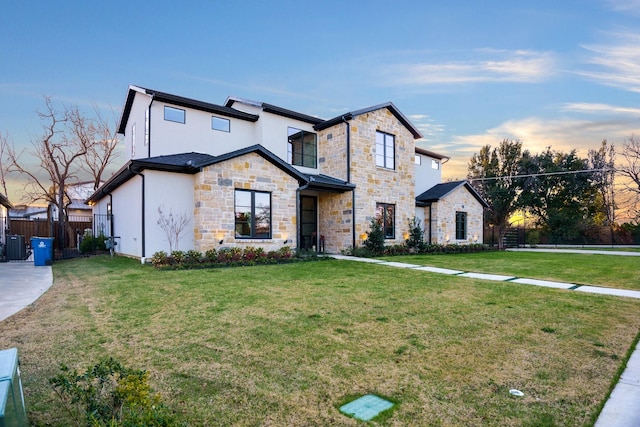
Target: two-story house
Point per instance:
(253, 174)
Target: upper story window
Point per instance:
(302, 148)
(385, 150)
(146, 127)
(218, 123)
(174, 114)
(253, 214)
(435, 164)
(417, 159)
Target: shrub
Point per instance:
(416, 235)
(193, 257)
(178, 256)
(109, 394)
(375, 237)
(210, 255)
(90, 243)
(533, 237)
(159, 258)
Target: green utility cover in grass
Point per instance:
(366, 407)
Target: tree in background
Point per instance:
(492, 173)
(4, 146)
(630, 171)
(602, 163)
(556, 192)
(68, 141)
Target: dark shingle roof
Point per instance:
(182, 102)
(440, 191)
(389, 105)
(191, 163)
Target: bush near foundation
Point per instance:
(225, 257)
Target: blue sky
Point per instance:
(564, 74)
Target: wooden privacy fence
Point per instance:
(29, 228)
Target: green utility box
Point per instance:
(12, 409)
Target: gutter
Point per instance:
(148, 125)
(142, 212)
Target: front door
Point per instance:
(309, 222)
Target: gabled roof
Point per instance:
(274, 109)
(5, 202)
(180, 101)
(388, 105)
(191, 163)
(442, 190)
(432, 154)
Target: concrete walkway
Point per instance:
(21, 283)
(623, 406)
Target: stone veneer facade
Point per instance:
(373, 184)
(214, 210)
(444, 214)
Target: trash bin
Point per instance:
(42, 250)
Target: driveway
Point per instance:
(21, 283)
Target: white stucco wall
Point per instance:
(174, 193)
(426, 177)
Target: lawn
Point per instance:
(288, 344)
(622, 272)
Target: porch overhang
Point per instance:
(328, 184)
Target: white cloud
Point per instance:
(627, 6)
(535, 133)
(494, 66)
(595, 108)
(616, 63)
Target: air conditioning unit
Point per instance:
(16, 248)
(12, 409)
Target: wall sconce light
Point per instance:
(475, 238)
(363, 236)
(405, 235)
(287, 241)
(221, 241)
(447, 238)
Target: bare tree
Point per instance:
(602, 161)
(173, 226)
(4, 148)
(103, 151)
(630, 169)
(64, 143)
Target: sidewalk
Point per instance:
(622, 407)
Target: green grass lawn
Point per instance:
(622, 272)
(288, 344)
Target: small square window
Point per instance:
(417, 160)
(174, 114)
(218, 123)
(435, 164)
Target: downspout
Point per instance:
(142, 242)
(299, 214)
(353, 192)
(148, 124)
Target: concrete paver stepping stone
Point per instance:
(545, 283)
(495, 277)
(609, 291)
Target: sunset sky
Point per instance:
(564, 74)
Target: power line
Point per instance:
(541, 174)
